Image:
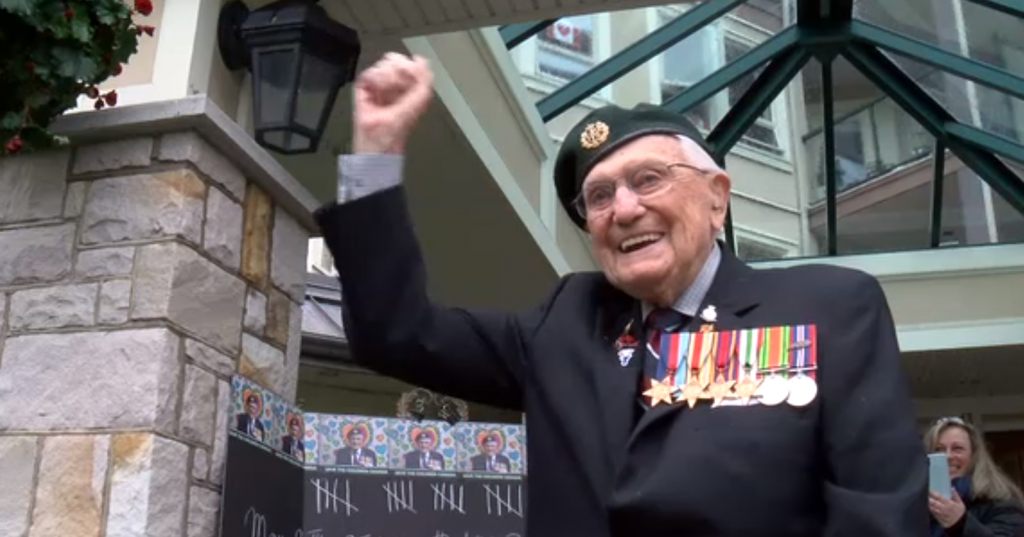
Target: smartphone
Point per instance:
(938, 475)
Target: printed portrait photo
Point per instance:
(356, 441)
(426, 445)
(490, 448)
(253, 416)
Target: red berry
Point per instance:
(69, 13)
(144, 7)
(92, 92)
(118, 69)
(111, 98)
(99, 104)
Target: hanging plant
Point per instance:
(54, 51)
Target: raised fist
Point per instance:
(390, 98)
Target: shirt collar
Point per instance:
(693, 296)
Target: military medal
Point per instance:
(749, 344)
(670, 355)
(775, 357)
(802, 388)
(700, 349)
(722, 387)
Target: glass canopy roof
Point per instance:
(847, 126)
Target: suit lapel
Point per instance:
(733, 296)
(616, 384)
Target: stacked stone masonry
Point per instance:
(136, 276)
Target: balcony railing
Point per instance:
(877, 138)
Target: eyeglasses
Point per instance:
(645, 183)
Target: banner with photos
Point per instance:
(293, 473)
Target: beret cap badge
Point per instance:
(594, 135)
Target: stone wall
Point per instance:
(136, 276)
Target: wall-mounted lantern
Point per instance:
(299, 58)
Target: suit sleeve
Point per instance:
(1005, 519)
(876, 468)
(395, 329)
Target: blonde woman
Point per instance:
(985, 502)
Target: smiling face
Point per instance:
(356, 439)
(955, 442)
(653, 248)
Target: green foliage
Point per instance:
(54, 51)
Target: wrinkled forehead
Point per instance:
(657, 149)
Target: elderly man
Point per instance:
(678, 391)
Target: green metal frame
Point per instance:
(993, 77)
(632, 57)
(1009, 7)
(936, 120)
(823, 30)
(515, 34)
(938, 189)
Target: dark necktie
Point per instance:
(659, 322)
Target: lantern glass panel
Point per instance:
(287, 141)
(317, 84)
(275, 72)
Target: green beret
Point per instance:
(601, 132)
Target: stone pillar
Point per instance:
(136, 276)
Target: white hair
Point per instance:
(697, 156)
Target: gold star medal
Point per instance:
(670, 356)
(700, 347)
(722, 387)
(660, 391)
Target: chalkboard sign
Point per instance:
(295, 474)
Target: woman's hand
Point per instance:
(946, 512)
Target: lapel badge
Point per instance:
(625, 355)
(594, 135)
(710, 316)
(626, 345)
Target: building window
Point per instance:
(565, 49)
(762, 134)
(686, 63)
(751, 250)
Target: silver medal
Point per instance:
(774, 390)
(802, 390)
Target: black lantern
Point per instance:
(299, 58)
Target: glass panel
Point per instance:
(883, 170)
(274, 77)
(316, 83)
(970, 103)
(574, 45)
(287, 140)
(1009, 222)
(767, 203)
(959, 26)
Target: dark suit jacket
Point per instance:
(849, 464)
(479, 462)
(286, 446)
(414, 458)
(343, 456)
(242, 424)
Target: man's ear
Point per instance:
(721, 188)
